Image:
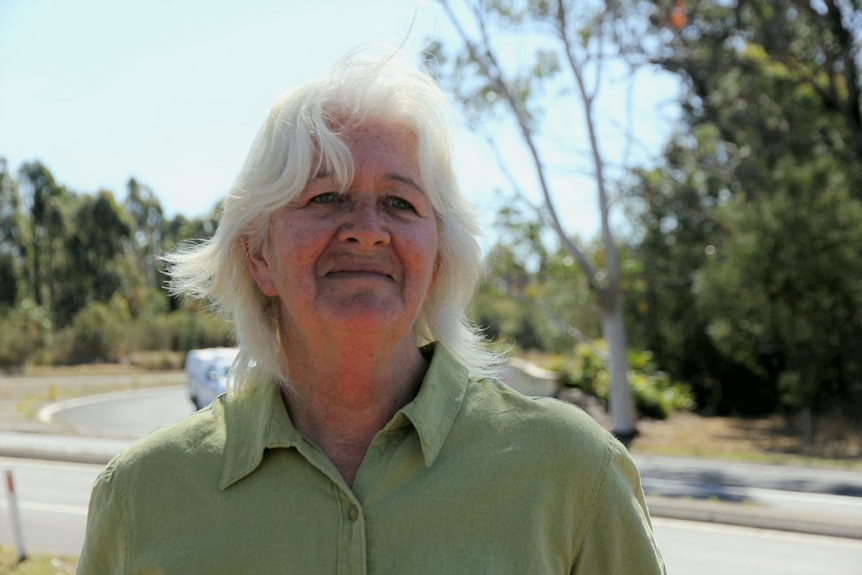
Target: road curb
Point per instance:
(68, 448)
(756, 516)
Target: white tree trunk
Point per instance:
(620, 402)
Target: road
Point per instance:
(712, 549)
(52, 502)
(53, 497)
(132, 414)
(125, 414)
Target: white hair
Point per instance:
(303, 131)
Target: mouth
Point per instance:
(359, 272)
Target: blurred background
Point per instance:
(727, 155)
(671, 191)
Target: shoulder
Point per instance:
(550, 428)
(194, 443)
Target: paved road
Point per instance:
(788, 499)
(738, 474)
(122, 414)
(712, 549)
(129, 415)
(53, 499)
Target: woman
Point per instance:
(365, 432)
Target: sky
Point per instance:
(172, 92)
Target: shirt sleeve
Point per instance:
(106, 540)
(620, 538)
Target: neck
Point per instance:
(345, 395)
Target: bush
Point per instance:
(97, 333)
(106, 332)
(23, 332)
(655, 395)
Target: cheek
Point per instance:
(425, 255)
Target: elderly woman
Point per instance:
(364, 431)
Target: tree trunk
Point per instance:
(620, 402)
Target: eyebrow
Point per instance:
(392, 176)
(388, 177)
(322, 175)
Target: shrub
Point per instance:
(97, 333)
(655, 394)
(23, 332)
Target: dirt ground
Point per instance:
(775, 439)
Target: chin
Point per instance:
(368, 318)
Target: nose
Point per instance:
(363, 224)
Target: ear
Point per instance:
(260, 269)
(434, 275)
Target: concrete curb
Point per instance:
(68, 448)
(759, 517)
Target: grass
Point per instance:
(836, 443)
(36, 564)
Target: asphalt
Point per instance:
(716, 491)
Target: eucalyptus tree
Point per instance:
(148, 220)
(570, 48)
(49, 213)
(12, 239)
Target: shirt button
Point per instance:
(354, 513)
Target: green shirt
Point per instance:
(471, 477)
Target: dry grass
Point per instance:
(835, 442)
(37, 564)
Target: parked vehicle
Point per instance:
(207, 373)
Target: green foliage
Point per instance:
(12, 240)
(750, 227)
(536, 293)
(79, 279)
(655, 394)
(795, 317)
(97, 333)
(23, 330)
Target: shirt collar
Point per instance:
(256, 419)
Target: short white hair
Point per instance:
(303, 131)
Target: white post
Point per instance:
(16, 519)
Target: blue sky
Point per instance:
(173, 91)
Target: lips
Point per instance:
(359, 270)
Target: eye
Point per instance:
(398, 203)
(327, 198)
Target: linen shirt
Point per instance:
(470, 477)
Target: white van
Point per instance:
(206, 373)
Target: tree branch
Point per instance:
(491, 68)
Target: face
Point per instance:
(360, 260)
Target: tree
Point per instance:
(571, 39)
(49, 225)
(674, 209)
(100, 236)
(800, 61)
(12, 240)
(537, 295)
(147, 219)
(750, 228)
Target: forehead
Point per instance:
(381, 137)
(373, 143)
